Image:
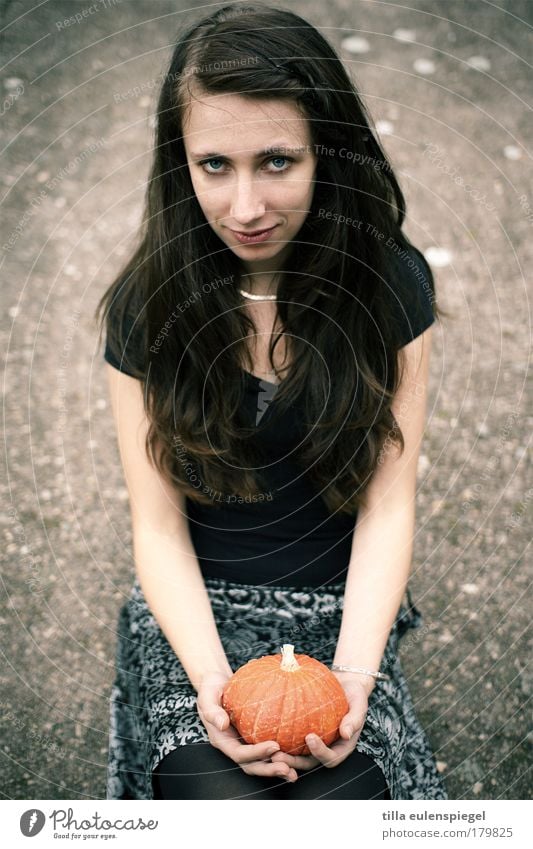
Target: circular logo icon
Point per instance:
(31, 822)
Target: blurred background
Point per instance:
(449, 88)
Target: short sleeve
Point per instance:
(412, 296)
(128, 336)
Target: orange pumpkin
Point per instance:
(284, 697)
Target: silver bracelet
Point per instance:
(378, 675)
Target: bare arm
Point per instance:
(382, 546)
(380, 562)
(172, 582)
(165, 560)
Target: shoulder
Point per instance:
(125, 338)
(411, 290)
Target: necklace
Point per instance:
(258, 297)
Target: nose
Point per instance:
(247, 204)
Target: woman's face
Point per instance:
(240, 187)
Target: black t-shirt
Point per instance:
(286, 536)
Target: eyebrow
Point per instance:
(273, 149)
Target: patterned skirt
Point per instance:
(153, 704)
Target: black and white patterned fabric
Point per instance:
(153, 704)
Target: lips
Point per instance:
(255, 237)
(254, 232)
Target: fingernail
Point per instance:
(220, 723)
(273, 749)
(349, 730)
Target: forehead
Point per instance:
(231, 119)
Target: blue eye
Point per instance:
(209, 161)
(284, 160)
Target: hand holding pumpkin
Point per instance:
(290, 699)
(333, 755)
(253, 759)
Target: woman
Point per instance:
(268, 349)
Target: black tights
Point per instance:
(200, 771)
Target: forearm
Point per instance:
(379, 569)
(174, 588)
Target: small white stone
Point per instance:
(122, 494)
(92, 443)
(385, 128)
(60, 202)
(424, 66)
(423, 464)
(482, 430)
(13, 312)
(511, 151)
(12, 82)
(43, 176)
(441, 766)
(152, 121)
(46, 494)
(101, 404)
(470, 589)
(477, 787)
(446, 636)
(439, 257)
(479, 63)
(355, 44)
(404, 34)
(144, 101)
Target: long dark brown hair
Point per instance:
(337, 292)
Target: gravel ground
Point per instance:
(453, 109)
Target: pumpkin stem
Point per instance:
(288, 661)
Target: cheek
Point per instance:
(300, 191)
(297, 199)
(210, 200)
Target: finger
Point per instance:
(350, 728)
(210, 709)
(271, 770)
(303, 762)
(217, 717)
(245, 753)
(330, 756)
(352, 722)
